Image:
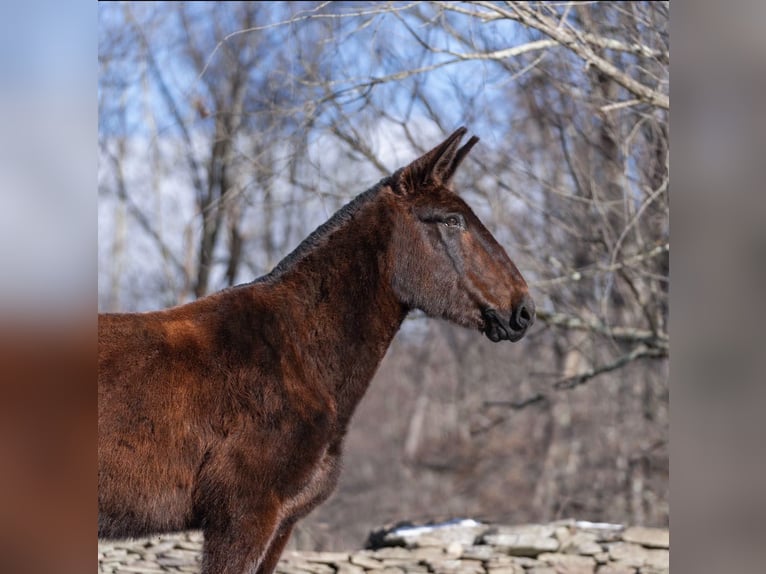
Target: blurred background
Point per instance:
(228, 131)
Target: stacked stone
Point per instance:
(159, 555)
(564, 547)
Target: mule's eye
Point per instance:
(453, 221)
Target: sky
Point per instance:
(47, 119)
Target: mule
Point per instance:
(229, 413)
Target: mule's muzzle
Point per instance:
(497, 328)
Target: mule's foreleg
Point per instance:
(314, 491)
(239, 543)
(239, 507)
(254, 486)
(274, 552)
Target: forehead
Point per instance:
(442, 199)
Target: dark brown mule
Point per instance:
(228, 413)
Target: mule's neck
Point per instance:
(342, 300)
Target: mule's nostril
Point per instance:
(524, 315)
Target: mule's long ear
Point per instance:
(459, 157)
(436, 166)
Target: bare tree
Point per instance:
(267, 117)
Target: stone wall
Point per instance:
(457, 547)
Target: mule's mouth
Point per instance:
(497, 329)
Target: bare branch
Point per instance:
(522, 13)
(568, 383)
(517, 405)
(306, 15)
(640, 352)
(619, 105)
(140, 217)
(658, 340)
(578, 274)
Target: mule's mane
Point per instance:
(318, 237)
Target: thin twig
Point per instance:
(308, 15)
(658, 340)
(578, 274)
(568, 383)
(517, 405)
(524, 14)
(640, 352)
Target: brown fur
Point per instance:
(228, 413)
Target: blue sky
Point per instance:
(48, 124)
(354, 60)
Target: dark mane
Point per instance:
(319, 235)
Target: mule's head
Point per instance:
(445, 261)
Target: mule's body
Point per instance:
(228, 413)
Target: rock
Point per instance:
(471, 567)
(392, 552)
(580, 543)
(657, 560)
(477, 552)
(133, 569)
(434, 553)
(526, 562)
(602, 557)
(541, 530)
(161, 545)
(455, 549)
(311, 567)
(649, 537)
(449, 566)
(166, 561)
(541, 570)
(627, 554)
(527, 540)
(325, 557)
(631, 554)
(365, 561)
(602, 531)
(182, 554)
(399, 562)
(569, 563)
(188, 545)
(349, 569)
(615, 569)
(497, 560)
(195, 536)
